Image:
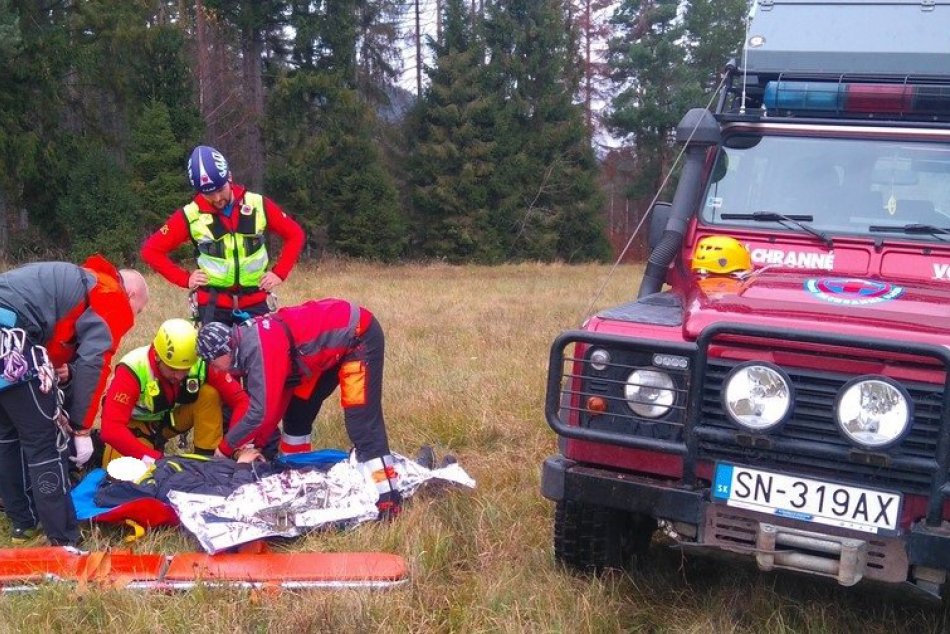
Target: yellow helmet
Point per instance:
(721, 255)
(176, 344)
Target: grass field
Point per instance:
(466, 359)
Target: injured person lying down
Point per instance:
(225, 503)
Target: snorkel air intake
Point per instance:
(699, 130)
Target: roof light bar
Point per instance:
(917, 100)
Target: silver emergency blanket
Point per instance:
(293, 502)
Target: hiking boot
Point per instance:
(24, 535)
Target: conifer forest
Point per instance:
(473, 132)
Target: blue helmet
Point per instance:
(207, 169)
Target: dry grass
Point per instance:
(466, 362)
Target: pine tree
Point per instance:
(451, 159)
(35, 57)
(714, 29)
(662, 64)
(378, 47)
(363, 215)
(157, 161)
(658, 86)
(165, 76)
(544, 186)
(244, 31)
(77, 80)
(321, 139)
(12, 150)
(100, 210)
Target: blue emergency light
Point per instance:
(842, 98)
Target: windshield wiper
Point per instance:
(794, 220)
(912, 229)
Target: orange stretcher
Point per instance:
(21, 569)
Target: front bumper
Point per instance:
(848, 556)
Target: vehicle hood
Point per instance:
(855, 306)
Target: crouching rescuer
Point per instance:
(164, 390)
(291, 361)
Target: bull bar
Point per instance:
(564, 478)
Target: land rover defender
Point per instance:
(798, 415)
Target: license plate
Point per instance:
(806, 499)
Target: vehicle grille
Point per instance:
(812, 420)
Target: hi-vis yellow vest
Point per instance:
(152, 403)
(231, 258)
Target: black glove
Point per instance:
(389, 505)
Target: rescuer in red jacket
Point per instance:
(228, 226)
(60, 325)
(163, 390)
(291, 361)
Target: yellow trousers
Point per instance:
(203, 415)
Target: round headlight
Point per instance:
(873, 412)
(757, 396)
(649, 393)
(599, 359)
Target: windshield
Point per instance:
(843, 186)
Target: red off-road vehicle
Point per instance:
(800, 415)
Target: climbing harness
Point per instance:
(12, 345)
(22, 362)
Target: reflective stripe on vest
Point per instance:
(231, 258)
(151, 404)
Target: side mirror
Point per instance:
(659, 216)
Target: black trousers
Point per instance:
(34, 483)
(364, 423)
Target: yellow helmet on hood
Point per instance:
(721, 255)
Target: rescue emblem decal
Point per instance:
(852, 292)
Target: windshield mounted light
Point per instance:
(757, 396)
(873, 412)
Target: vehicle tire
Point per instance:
(593, 538)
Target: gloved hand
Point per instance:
(83, 445)
(148, 460)
(389, 505)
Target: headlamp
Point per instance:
(873, 412)
(757, 396)
(649, 393)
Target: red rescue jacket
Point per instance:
(322, 330)
(157, 249)
(123, 392)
